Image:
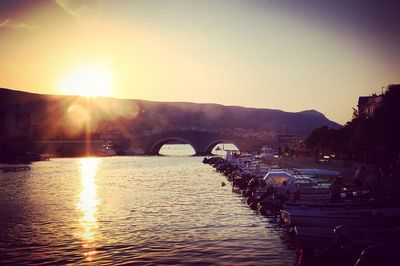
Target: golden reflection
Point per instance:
(87, 205)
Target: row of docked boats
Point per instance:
(357, 225)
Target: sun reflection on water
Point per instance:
(87, 206)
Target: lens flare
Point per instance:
(88, 81)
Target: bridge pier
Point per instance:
(202, 154)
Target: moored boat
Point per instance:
(351, 242)
(326, 203)
(346, 217)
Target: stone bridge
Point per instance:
(202, 142)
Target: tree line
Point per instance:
(372, 139)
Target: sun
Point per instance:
(93, 80)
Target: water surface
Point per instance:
(131, 210)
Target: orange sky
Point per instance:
(266, 54)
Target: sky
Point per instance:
(278, 54)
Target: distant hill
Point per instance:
(56, 116)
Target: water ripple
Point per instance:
(131, 211)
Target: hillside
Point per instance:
(55, 117)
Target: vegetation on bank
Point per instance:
(370, 139)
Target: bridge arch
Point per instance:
(211, 146)
(155, 148)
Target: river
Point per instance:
(131, 210)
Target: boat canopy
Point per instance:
(276, 178)
(320, 172)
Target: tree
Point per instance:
(387, 119)
(373, 139)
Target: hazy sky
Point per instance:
(289, 55)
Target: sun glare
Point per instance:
(88, 81)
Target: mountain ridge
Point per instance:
(134, 116)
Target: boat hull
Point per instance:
(333, 218)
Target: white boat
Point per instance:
(107, 150)
(311, 188)
(321, 176)
(277, 177)
(260, 169)
(317, 172)
(238, 159)
(267, 152)
(305, 184)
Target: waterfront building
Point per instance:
(367, 105)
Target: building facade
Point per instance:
(367, 105)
